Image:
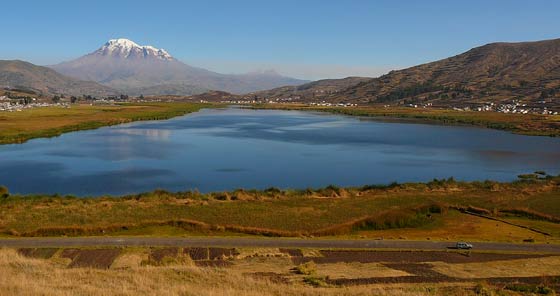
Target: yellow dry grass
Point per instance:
(129, 260)
(457, 226)
(357, 270)
(284, 266)
(24, 276)
(280, 265)
(546, 266)
(260, 252)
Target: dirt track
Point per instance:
(262, 242)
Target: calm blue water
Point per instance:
(235, 148)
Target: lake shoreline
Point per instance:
(171, 110)
(527, 125)
(85, 118)
(245, 148)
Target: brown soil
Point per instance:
(213, 263)
(552, 282)
(157, 255)
(39, 253)
(423, 273)
(292, 252)
(408, 257)
(269, 276)
(97, 258)
(197, 253)
(220, 253)
(419, 270)
(70, 253)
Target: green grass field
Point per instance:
(422, 207)
(18, 127)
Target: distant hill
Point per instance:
(17, 74)
(124, 65)
(495, 72)
(316, 90)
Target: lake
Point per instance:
(225, 149)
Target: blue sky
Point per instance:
(306, 39)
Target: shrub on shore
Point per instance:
(4, 192)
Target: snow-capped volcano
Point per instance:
(125, 48)
(135, 69)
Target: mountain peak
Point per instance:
(121, 42)
(128, 49)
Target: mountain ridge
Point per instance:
(22, 74)
(500, 70)
(496, 72)
(124, 65)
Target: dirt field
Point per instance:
(409, 257)
(96, 258)
(39, 253)
(343, 271)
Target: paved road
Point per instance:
(262, 242)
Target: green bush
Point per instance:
(315, 281)
(380, 186)
(530, 289)
(527, 176)
(481, 289)
(4, 192)
(308, 268)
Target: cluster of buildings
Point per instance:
(262, 100)
(515, 107)
(427, 105)
(8, 105)
(325, 104)
(288, 99)
(240, 101)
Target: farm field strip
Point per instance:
(295, 267)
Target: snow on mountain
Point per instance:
(126, 48)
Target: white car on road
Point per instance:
(463, 245)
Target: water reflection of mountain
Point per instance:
(151, 134)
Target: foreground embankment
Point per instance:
(272, 271)
(523, 211)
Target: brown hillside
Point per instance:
(20, 74)
(493, 72)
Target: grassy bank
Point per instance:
(18, 127)
(526, 124)
(398, 210)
